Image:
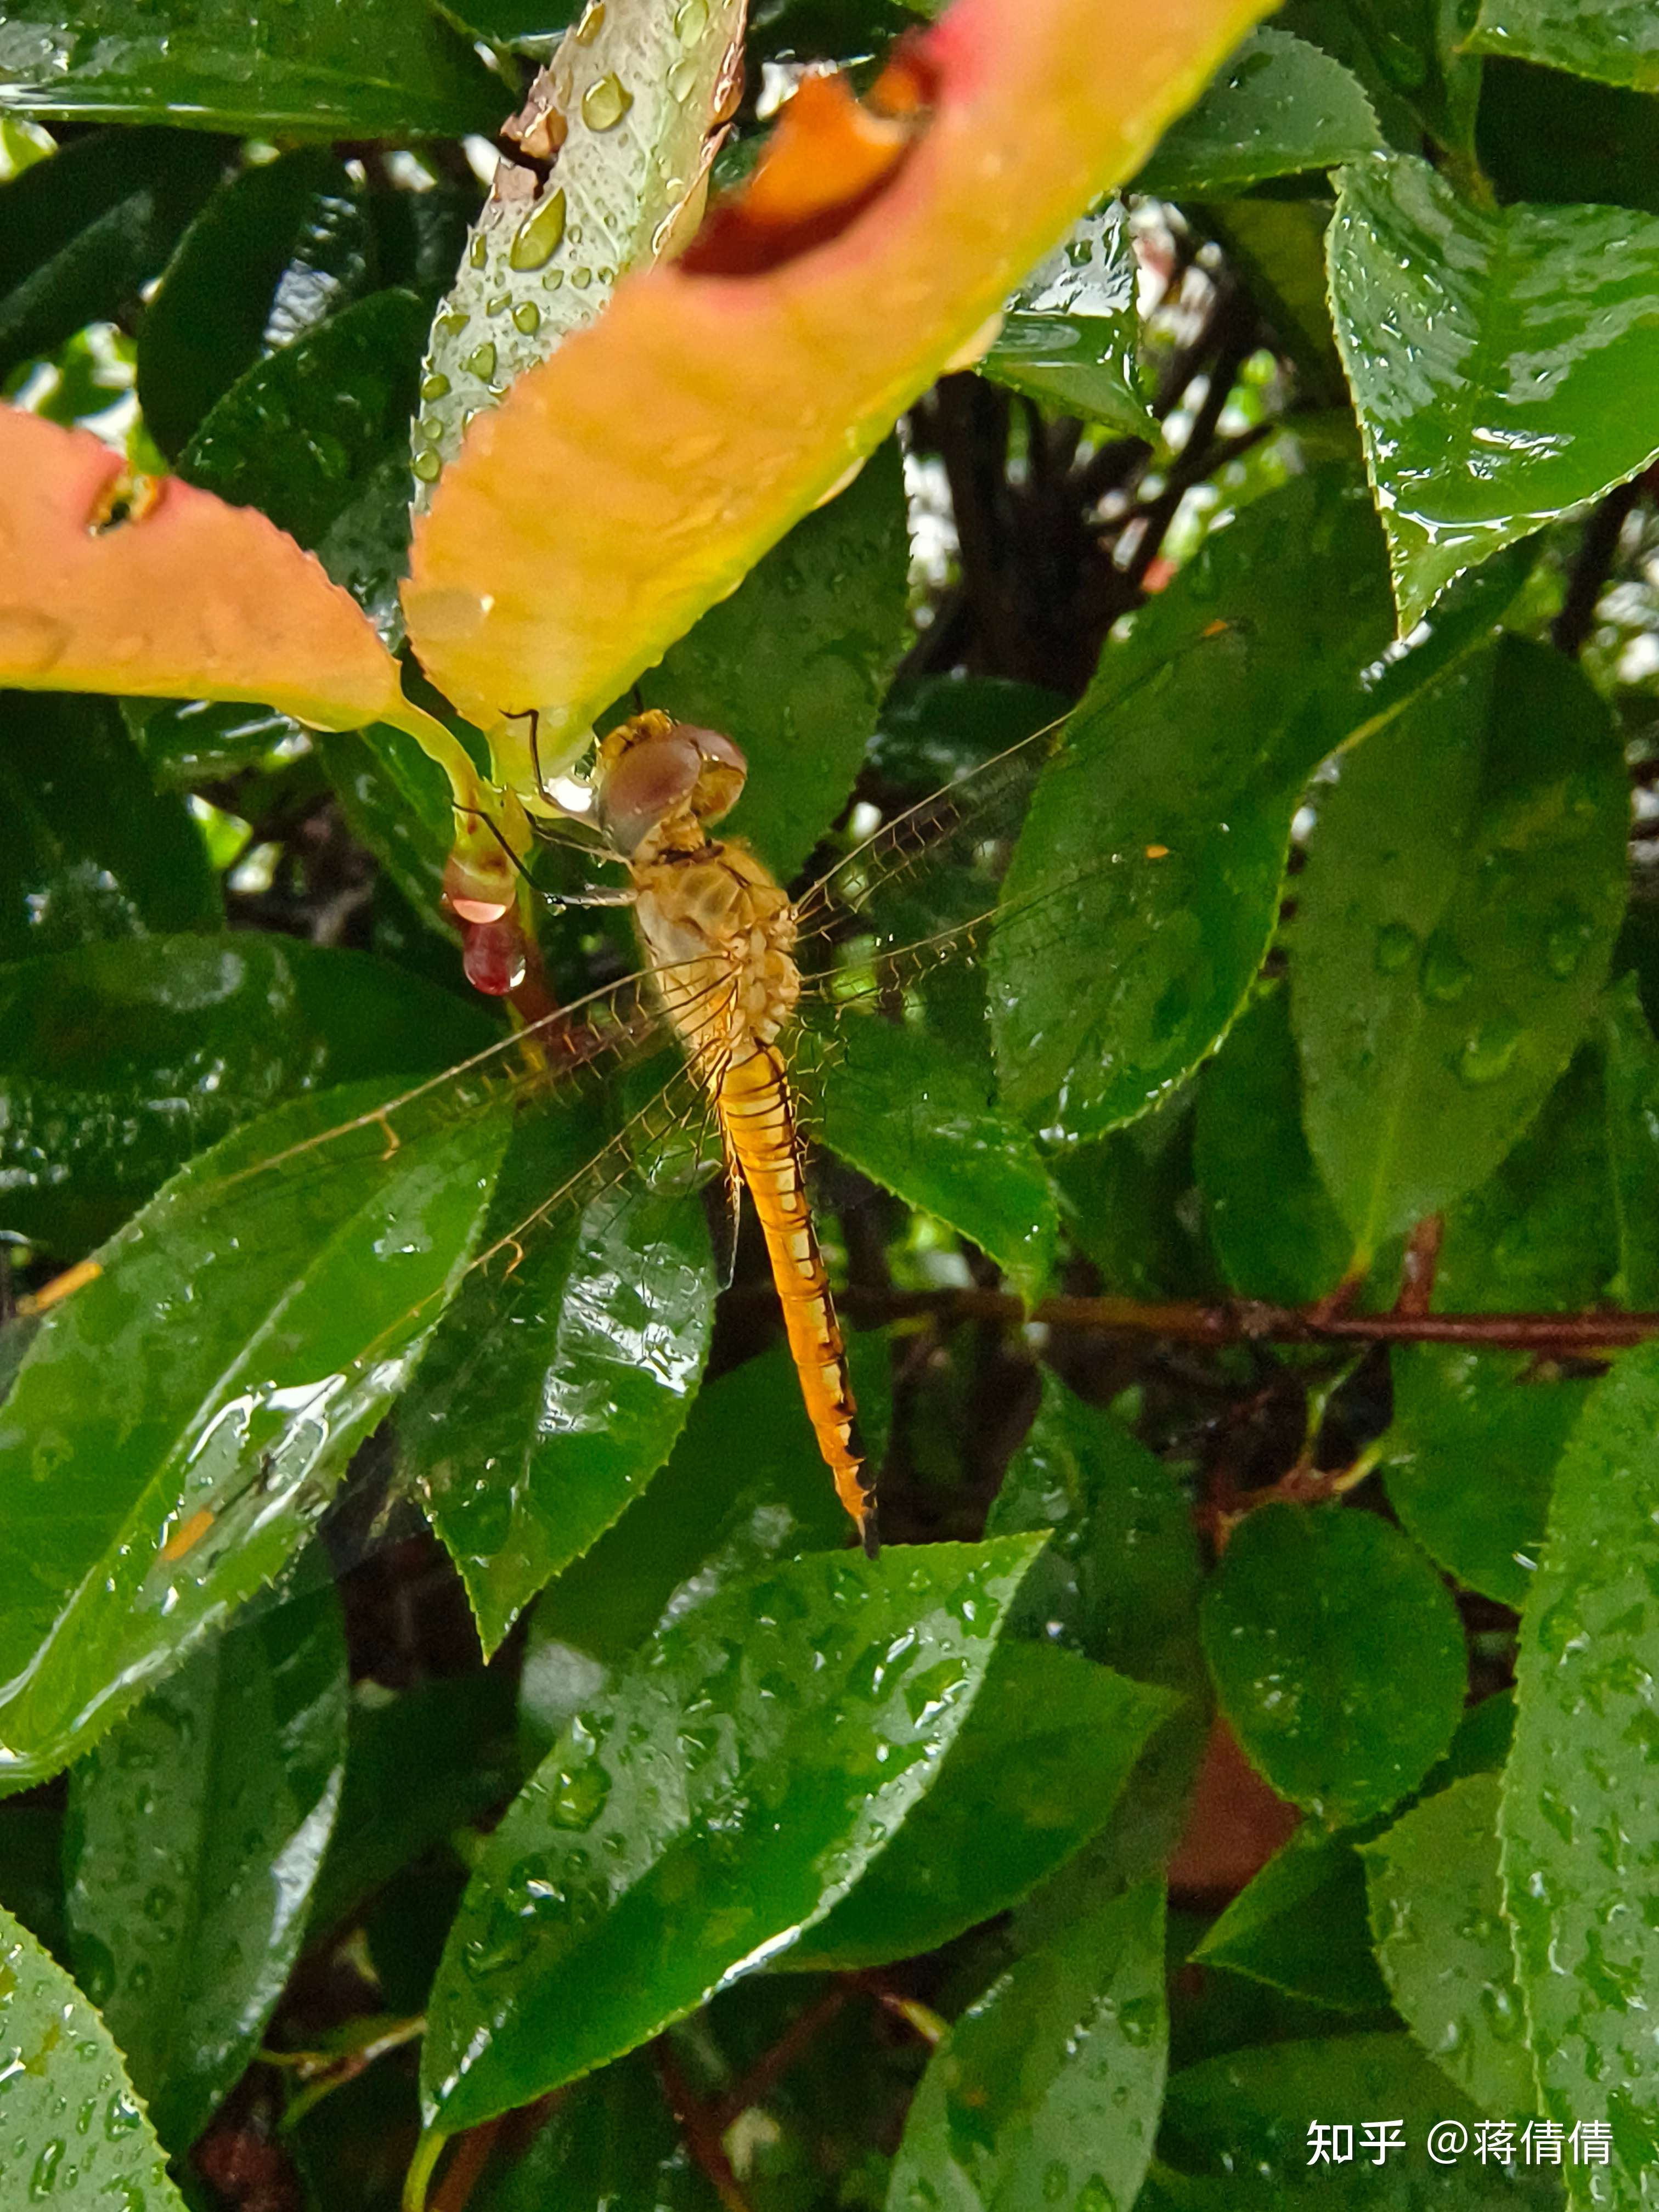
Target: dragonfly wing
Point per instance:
(559, 1377)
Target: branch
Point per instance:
(1252, 1321)
(700, 2126)
(1597, 551)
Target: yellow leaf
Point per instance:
(630, 482)
(158, 590)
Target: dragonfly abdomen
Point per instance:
(758, 1117)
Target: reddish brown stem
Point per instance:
(792, 2044)
(700, 2125)
(1251, 1320)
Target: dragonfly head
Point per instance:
(650, 767)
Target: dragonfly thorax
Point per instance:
(718, 935)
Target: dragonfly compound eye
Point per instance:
(646, 783)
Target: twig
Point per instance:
(1422, 1259)
(700, 2126)
(461, 2174)
(1250, 1321)
(1597, 549)
(792, 2044)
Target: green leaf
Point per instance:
(56, 2060)
(916, 1111)
(1408, 56)
(396, 800)
(1616, 40)
(1271, 1222)
(80, 233)
(1520, 335)
(1236, 2138)
(1144, 890)
(1471, 1457)
(701, 1526)
(179, 1423)
(1038, 1767)
(1578, 1820)
(723, 1793)
(1632, 1081)
(120, 1061)
(32, 1871)
(610, 2141)
(1047, 2090)
(1300, 1926)
(1278, 248)
(1278, 108)
(378, 68)
(457, 1737)
(1119, 1581)
(1127, 1203)
(314, 437)
(1546, 137)
(1071, 334)
(793, 665)
(189, 742)
(279, 249)
(1337, 1654)
(555, 1385)
(1463, 888)
(195, 1833)
(629, 114)
(1438, 1906)
(1539, 1233)
(91, 849)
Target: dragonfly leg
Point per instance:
(392, 1139)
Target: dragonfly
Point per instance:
(752, 992)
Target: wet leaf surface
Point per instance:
(1033, 1773)
(1630, 1090)
(70, 2124)
(628, 112)
(1278, 108)
(1438, 1907)
(178, 1423)
(612, 2141)
(720, 1795)
(1337, 1654)
(702, 1525)
(1463, 887)
(1579, 1810)
(381, 68)
(917, 1112)
(118, 1062)
(1494, 357)
(192, 598)
(1151, 862)
(1071, 331)
(1235, 2134)
(280, 249)
(1471, 1457)
(1300, 1926)
(557, 1381)
(80, 234)
(1047, 2090)
(657, 455)
(195, 1833)
(92, 850)
(1616, 40)
(1272, 1225)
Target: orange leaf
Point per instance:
(186, 598)
(630, 482)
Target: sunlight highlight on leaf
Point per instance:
(630, 482)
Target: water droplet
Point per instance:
(690, 22)
(30, 641)
(478, 253)
(44, 2176)
(553, 279)
(1566, 940)
(1138, 2021)
(481, 362)
(606, 102)
(505, 1942)
(1094, 2196)
(1446, 974)
(427, 465)
(499, 305)
(528, 318)
(96, 1964)
(582, 278)
(1489, 1055)
(537, 237)
(121, 2115)
(451, 326)
(435, 386)
(1056, 2179)
(683, 79)
(578, 1794)
(159, 1902)
(1396, 943)
(592, 24)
